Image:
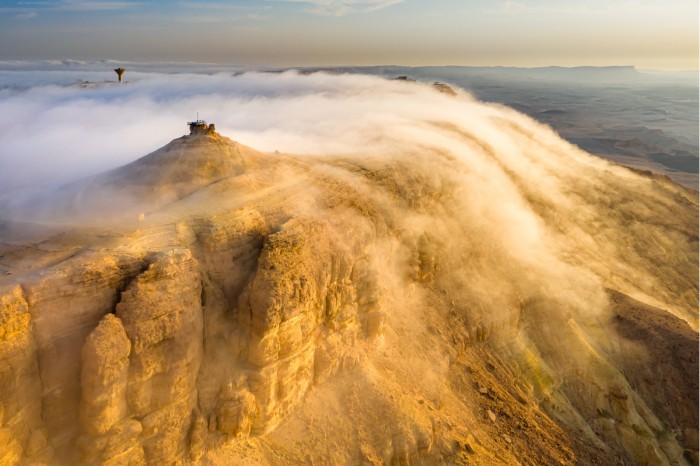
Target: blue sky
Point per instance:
(648, 34)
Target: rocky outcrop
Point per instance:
(291, 309)
(236, 411)
(104, 376)
(66, 304)
(444, 88)
(162, 316)
(147, 393)
(22, 432)
(288, 328)
(140, 367)
(111, 435)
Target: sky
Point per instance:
(644, 33)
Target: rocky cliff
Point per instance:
(282, 309)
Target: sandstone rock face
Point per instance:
(162, 315)
(294, 303)
(236, 411)
(351, 312)
(110, 437)
(104, 376)
(66, 305)
(271, 319)
(20, 387)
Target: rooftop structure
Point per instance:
(200, 127)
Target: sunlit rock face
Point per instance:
(494, 297)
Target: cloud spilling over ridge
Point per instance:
(54, 134)
(432, 222)
(517, 180)
(506, 161)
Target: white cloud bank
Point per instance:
(53, 134)
(513, 178)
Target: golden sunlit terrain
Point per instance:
(454, 285)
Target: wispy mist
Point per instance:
(520, 185)
(56, 133)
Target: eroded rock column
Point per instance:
(110, 436)
(162, 315)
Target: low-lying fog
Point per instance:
(69, 120)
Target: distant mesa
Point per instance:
(444, 88)
(441, 87)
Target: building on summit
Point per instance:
(200, 127)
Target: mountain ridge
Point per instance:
(376, 308)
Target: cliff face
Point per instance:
(295, 309)
(23, 434)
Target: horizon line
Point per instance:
(62, 61)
